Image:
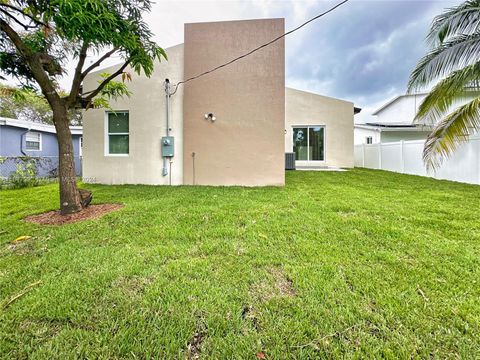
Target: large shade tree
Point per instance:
(453, 66)
(39, 37)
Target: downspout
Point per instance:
(167, 95)
(22, 135)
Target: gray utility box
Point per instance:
(168, 143)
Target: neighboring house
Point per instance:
(19, 138)
(229, 127)
(394, 122)
(394, 142)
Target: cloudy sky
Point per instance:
(362, 52)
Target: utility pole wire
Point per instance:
(259, 47)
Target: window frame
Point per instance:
(308, 141)
(107, 134)
(369, 140)
(39, 140)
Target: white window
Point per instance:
(369, 140)
(33, 141)
(80, 146)
(117, 133)
(309, 143)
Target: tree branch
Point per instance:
(95, 92)
(15, 38)
(77, 78)
(33, 62)
(98, 62)
(36, 21)
(26, 27)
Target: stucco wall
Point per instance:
(304, 108)
(147, 115)
(244, 146)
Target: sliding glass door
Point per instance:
(309, 143)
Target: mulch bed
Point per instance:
(90, 212)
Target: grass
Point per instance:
(361, 263)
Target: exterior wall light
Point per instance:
(210, 116)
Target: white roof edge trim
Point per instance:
(386, 129)
(390, 102)
(30, 125)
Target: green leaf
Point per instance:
(450, 133)
(453, 66)
(459, 86)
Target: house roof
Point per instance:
(30, 125)
(393, 127)
(395, 99)
(392, 124)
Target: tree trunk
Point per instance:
(70, 201)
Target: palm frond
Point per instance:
(450, 133)
(460, 85)
(454, 54)
(461, 19)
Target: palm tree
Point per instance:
(453, 65)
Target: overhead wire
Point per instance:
(259, 47)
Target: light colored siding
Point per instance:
(147, 121)
(392, 136)
(403, 110)
(304, 108)
(244, 146)
(361, 135)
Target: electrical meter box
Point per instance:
(167, 146)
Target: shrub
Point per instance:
(25, 174)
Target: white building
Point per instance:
(394, 142)
(394, 122)
(229, 127)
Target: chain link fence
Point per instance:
(37, 167)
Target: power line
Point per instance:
(259, 47)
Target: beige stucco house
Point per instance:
(230, 127)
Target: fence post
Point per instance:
(380, 155)
(402, 157)
(478, 157)
(363, 154)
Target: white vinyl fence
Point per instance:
(406, 157)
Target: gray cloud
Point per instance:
(364, 51)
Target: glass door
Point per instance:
(309, 143)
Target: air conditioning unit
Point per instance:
(290, 161)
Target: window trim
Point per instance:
(107, 134)
(80, 146)
(308, 141)
(40, 138)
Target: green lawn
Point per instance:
(361, 263)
